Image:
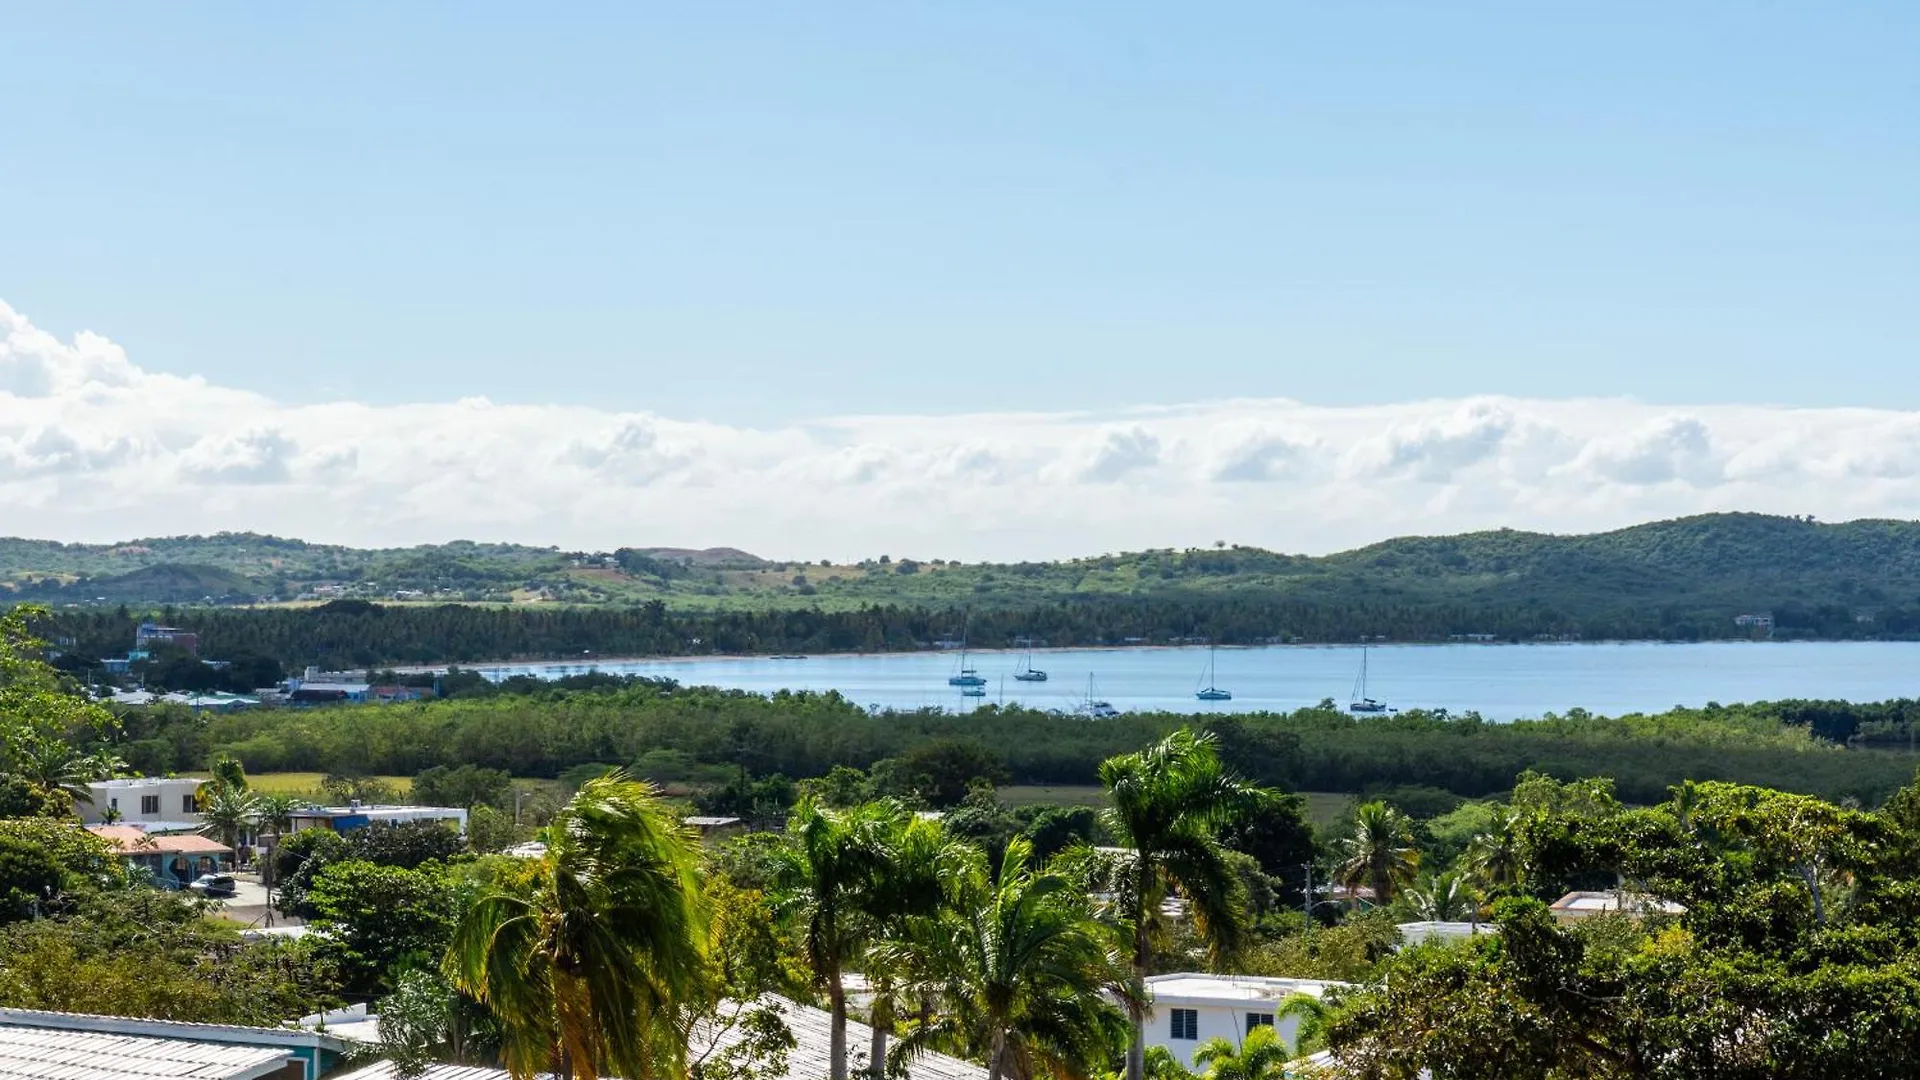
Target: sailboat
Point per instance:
(1361, 703)
(1211, 692)
(1093, 708)
(966, 675)
(973, 691)
(1027, 672)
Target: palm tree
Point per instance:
(1312, 1028)
(828, 869)
(1169, 802)
(585, 970)
(1022, 971)
(1380, 853)
(60, 771)
(1444, 897)
(227, 813)
(919, 867)
(1493, 857)
(1262, 1055)
(275, 812)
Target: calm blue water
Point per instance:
(1502, 682)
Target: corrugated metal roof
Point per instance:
(30, 1053)
(809, 1059)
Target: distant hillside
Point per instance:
(1688, 577)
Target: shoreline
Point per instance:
(691, 658)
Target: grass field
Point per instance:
(307, 784)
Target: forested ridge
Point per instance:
(1686, 579)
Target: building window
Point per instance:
(149, 804)
(113, 803)
(1258, 1020)
(1186, 1023)
(189, 804)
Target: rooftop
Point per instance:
(1196, 987)
(1579, 904)
(133, 840)
(808, 1060)
(145, 781)
(40, 1045)
(35, 1053)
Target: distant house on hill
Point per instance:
(1576, 906)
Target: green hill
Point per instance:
(1687, 577)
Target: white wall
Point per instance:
(1216, 1021)
(127, 797)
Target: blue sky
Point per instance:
(756, 214)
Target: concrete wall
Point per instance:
(1216, 1021)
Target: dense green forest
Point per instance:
(1679, 580)
(667, 733)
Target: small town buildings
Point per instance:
(77, 1046)
(148, 803)
(147, 636)
(171, 860)
(348, 818)
(1577, 905)
(1188, 1008)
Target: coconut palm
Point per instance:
(1168, 805)
(827, 868)
(274, 812)
(1262, 1055)
(227, 813)
(61, 772)
(919, 866)
(1022, 971)
(1380, 853)
(586, 969)
(1493, 857)
(1444, 897)
(1313, 1014)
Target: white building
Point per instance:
(1419, 933)
(1188, 1009)
(348, 818)
(151, 803)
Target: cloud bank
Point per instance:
(94, 448)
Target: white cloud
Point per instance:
(92, 447)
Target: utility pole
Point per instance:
(1306, 894)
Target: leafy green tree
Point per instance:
(298, 860)
(464, 786)
(1022, 971)
(405, 844)
(1380, 854)
(380, 920)
(1169, 803)
(587, 970)
(149, 953)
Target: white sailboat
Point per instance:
(1211, 692)
(1027, 672)
(965, 675)
(1361, 703)
(1094, 708)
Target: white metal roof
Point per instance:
(32, 1053)
(808, 1060)
(1194, 988)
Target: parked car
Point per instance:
(214, 886)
